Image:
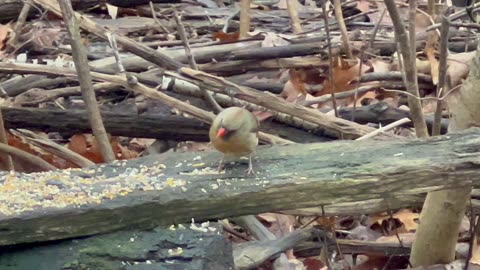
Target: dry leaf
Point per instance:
(459, 66)
(380, 66)
(423, 66)
(280, 225)
(302, 77)
(112, 10)
(373, 262)
(273, 40)
(363, 233)
(87, 146)
(5, 31)
(140, 144)
(22, 144)
(225, 37)
(283, 262)
(363, 6)
(344, 72)
(312, 263)
(405, 216)
(475, 252)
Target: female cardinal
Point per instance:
(234, 132)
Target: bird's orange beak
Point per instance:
(221, 132)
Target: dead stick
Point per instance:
(4, 140)
(410, 70)
(343, 28)
(330, 57)
(83, 70)
(54, 148)
(294, 20)
(207, 96)
(442, 73)
(244, 17)
(22, 17)
(27, 157)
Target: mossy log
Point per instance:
(173, 188)
(182, 248)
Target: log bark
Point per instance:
(173, 188)
(161, 248)
(385, 114)
(129, 125)
(156, 126)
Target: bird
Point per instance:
(234, 132)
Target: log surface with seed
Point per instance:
(173, 188)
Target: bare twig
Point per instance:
(22, 17)
(385, 128)
(442, 73)
(362, 54)
(27, 157)
(154, 15)
(54, 148)
(294, 20)
(207, 96)
(410, 69)
(345, 94)
(188, 89)
(53, 94)
(412, 18)
(330, 57)
(244, 17)
(375, 29)
(424, 98)
(4, 140)
(81, 64)
(357, 85)
(343, 28)
(228, 19)
(255, 227)
(121, 68)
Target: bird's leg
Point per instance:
(220, 165)
(250, 166)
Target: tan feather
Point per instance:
(241, 138)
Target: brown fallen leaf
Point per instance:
(406, 238)
(226, 37)
(406, 217)
(459, 66)
(5, 31)
(344, 73)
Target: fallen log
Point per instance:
(161, 248)
(175, 187)
(156, 126)
(164, 127)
